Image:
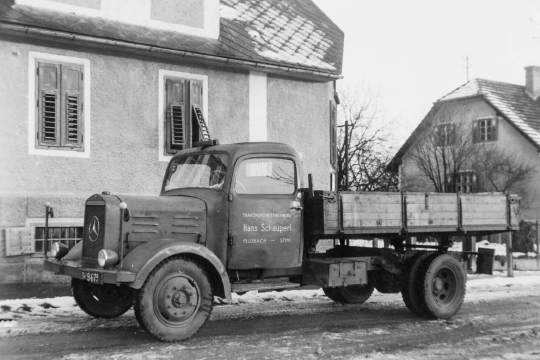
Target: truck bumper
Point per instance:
(76, 270)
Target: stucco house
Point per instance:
(97, 95)
(501, 118)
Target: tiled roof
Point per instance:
(295, 33)
(510, 100)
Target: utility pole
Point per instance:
(346, 155)
(467, 65)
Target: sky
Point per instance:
(413, 52)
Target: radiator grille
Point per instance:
(91, 248)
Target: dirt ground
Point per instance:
(495, 322)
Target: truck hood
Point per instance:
(146, 219)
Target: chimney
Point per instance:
(532, 81)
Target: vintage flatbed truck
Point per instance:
(235, 218)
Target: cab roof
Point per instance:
(240, 149)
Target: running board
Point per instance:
(240, 288)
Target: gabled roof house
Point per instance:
(515, 110)
(97, 95)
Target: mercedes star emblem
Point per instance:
(93, 229)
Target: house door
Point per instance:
(265, 220)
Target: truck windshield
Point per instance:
(197, 171)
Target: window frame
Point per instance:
(34, 146)
(232, 189)
(477, 129)
(163, 76)
(197, 154)
(449, 138)
(33, 223)
(471, 185)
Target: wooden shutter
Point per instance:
(333, 134)
(175, 127)
(48, 105)
(19, 241)
(475, 131)
(72, 107)
(198, 124)
(495, 122)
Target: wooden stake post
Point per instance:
(509, 256)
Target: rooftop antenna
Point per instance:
(467, 65)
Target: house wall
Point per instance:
(124, 135)
(509, 139)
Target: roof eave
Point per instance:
(94, 41)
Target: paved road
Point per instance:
(492, 324)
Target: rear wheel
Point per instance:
(175, 300)
(409, 291)
(102, 301)
(442, 289)
(355, 294)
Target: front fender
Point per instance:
(144, 258)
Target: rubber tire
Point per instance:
(333, 294)
(354, 294)
(387, 284)
(153, 320)
(102, 301)
(409, 291)
(448, 272)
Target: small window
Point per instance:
(265, 176)
(184, 120)
(59, 115)
(445, 134)
(68, 236)
(465, 182)
(485, 130)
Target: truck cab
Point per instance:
(253, 199)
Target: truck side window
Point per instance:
(265, 176)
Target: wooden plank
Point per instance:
(495, 222)
(376, 198)
(493, 208)
(432, 208)
(482, 200)
(482, 215)
(355, 208)
(437, 222)
(374, 216)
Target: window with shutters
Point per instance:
(60, 105)
(333, 134)
(184, 122)
(485, 130)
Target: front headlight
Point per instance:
(58, 250)
(107, 258)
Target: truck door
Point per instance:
(265, 217)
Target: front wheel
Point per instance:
(102, 301)
(442, 290)
(175, 300)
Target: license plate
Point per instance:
(92, 277)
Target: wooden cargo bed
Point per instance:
(347, 214)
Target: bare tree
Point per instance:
(444, 149)
(368, 142)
